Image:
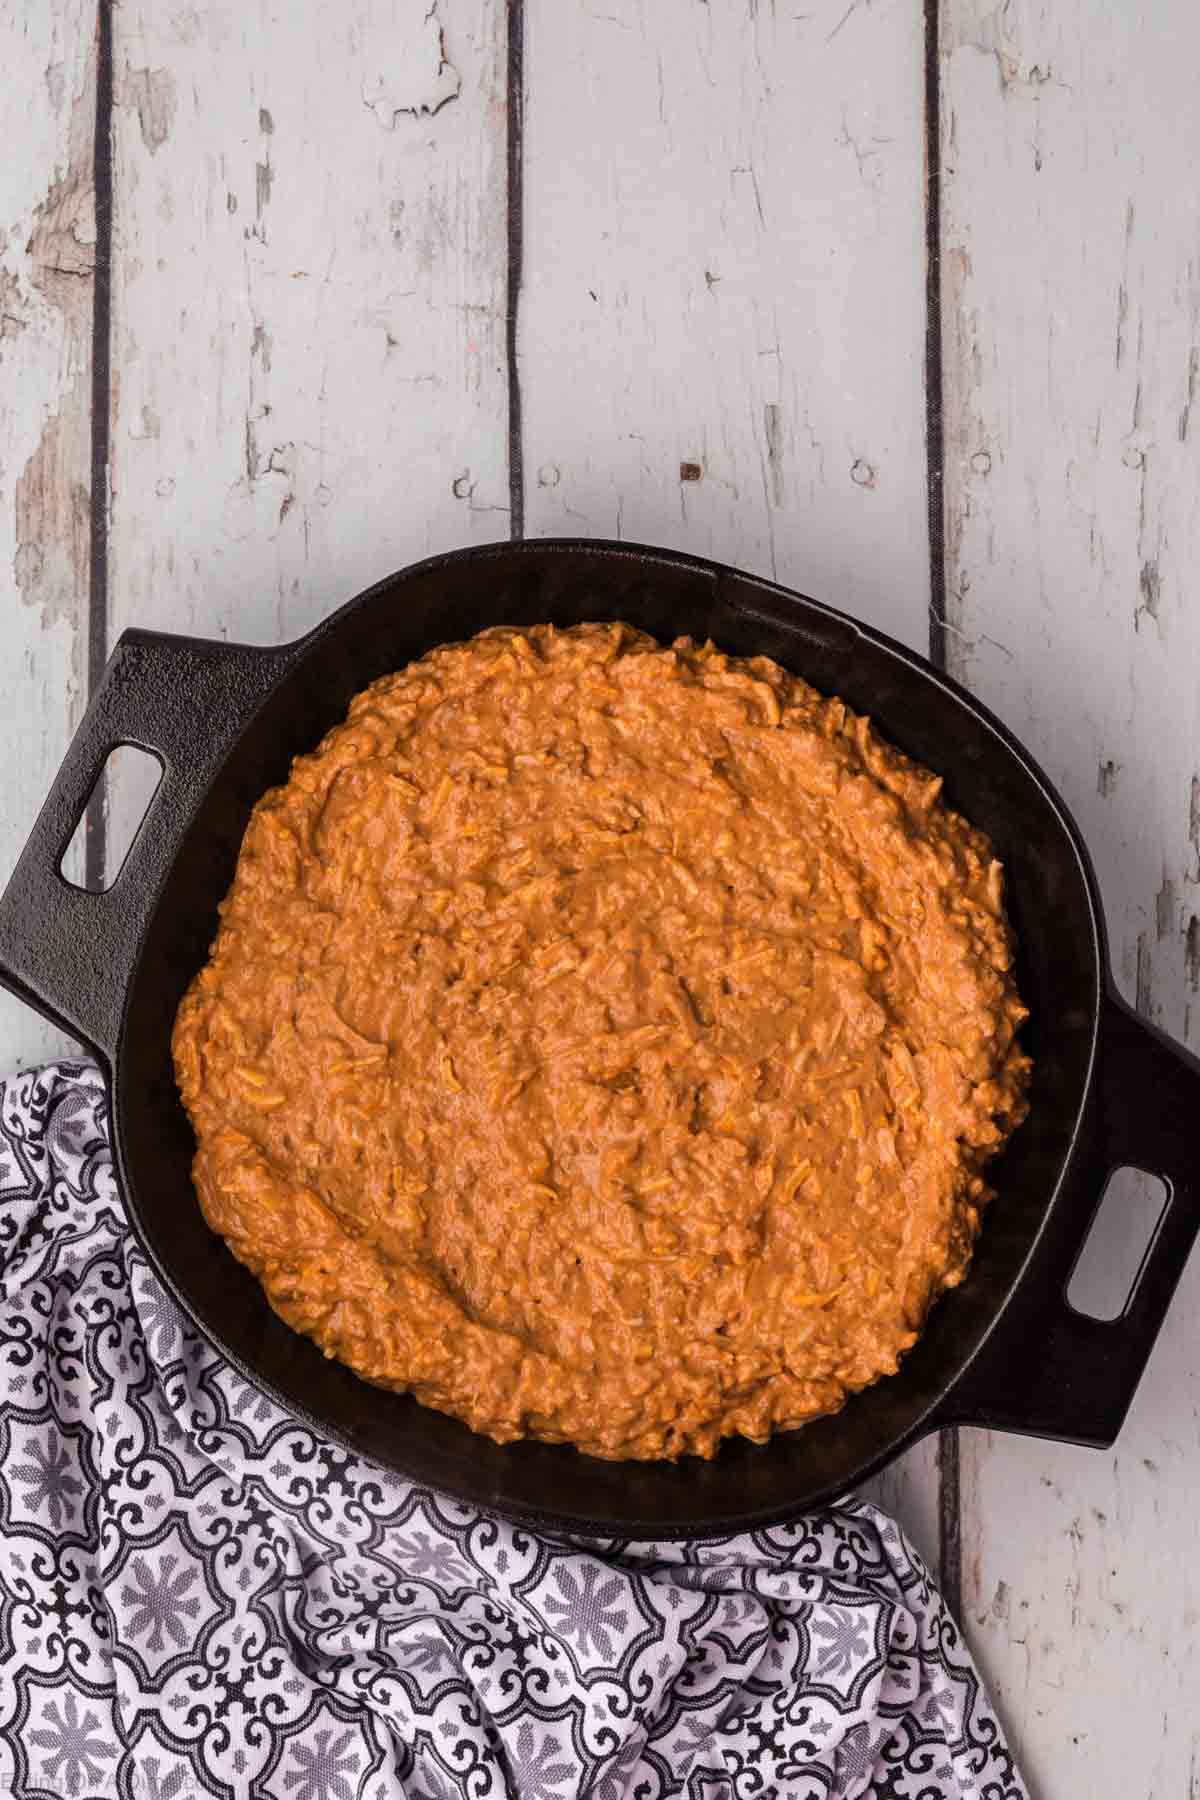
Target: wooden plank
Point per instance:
(47, 261)
(722, 319)
(320, 398)
(722, 308)
(1072, 304)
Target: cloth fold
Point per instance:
(200, 1596)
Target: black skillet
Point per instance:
(224, 721)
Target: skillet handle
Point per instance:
(68, 952)
(1048, 1370)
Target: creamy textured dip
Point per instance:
(605, 1042)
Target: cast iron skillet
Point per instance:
(224, 721)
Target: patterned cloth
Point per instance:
(198, 1596)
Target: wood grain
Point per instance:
(722, 309)
(1071, 238)
(722, 312)
(309, 303)
(47, 260)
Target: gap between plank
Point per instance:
(935, 443)
(950, 1519)
(96, 824)
(516, 257)
(948, 1463)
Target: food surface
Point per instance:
(605, 1042)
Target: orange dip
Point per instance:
(605, 1043)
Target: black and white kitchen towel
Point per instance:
(199, 1596)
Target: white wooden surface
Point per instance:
(721, 333)
(1071, 230)
(308, 305)
(47, 257)
(724, 267)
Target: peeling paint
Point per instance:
(250, 454)
(12, 317)
(62, 246)
(1191, 952)
(1014, 75)
(152, 93)
(56, 85)
(264, 178)
(52, 497)
(289, 472)
(1144, 985)
(421, 78)
(773, 427)
(264, 175)
(1107, 775)
(988, 35)
(53, 513)
(1149, 590)
(1165, 909)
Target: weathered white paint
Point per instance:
(724, 268)
(1070, 142)
(47, 256)
(722, 311)
(308, 300)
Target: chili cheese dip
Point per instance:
(605, 1042)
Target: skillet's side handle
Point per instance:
(1051, 1371)
(69, 952)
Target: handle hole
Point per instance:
(109, 822)
(1123, 1231)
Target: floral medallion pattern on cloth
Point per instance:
(199, 1596)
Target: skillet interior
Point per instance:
(1059, 974)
